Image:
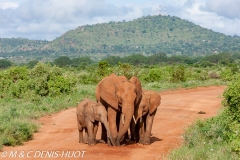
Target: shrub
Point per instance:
(232, 102)
(178, 74)
(16, 132)
(213, 75)
(42, 80)
(125, 69)
(103, 68)
(5, 63)
(154, 74)
(232, 98)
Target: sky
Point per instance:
(49, 19)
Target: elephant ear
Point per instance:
(89, 111)
(154, 101)
(138, 89)
(107, 90)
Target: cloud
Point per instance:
(48, 19)
(229, 8)
(54, 16)
(209, 14)
(6, 4)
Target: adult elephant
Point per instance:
(119, 96)
(144, 113)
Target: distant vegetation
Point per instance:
(147, 36)
(224, 58)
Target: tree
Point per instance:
(5, 63)
(113, 60)
(76, 62)
(32, 63)
(62, 61)
(157, 58)
(135, 59)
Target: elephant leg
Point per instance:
(95, 128)
(149, 123)
(104, 134)
(85, 139)
(136, 134)
(126, 136)
(80, 130)
(142, 124)
(132, 130)
(112, 124)
(121, 124)
(90, 128)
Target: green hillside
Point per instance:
(151, 34)
(146, 35)
(18, 49)
(11, 45)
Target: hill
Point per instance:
(149, 35)
(146, 35)
(20, 48)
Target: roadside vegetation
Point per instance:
(32, 90)
(218, 137)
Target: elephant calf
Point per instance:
(144, 114)
(89, 113)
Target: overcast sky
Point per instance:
(49, 19)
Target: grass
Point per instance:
(203, 151)
(18, 116)
(198, 147)
(205, 139)
(162, 86)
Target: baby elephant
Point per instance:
(144, 113)
(89, 113)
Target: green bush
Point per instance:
(5, 63)
(154, 74)
(232, 98)
(42, 80)
(16, 132)
(226, 74)
(125, 69)
(178, 74)
(103, 68)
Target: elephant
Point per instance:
(119, 96)
(89, 113)
(144, 114)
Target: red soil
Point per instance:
(59, 135)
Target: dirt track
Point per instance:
(59, 135)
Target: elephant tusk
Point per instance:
(134, 119)
(123, 119)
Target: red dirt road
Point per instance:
(59, 135)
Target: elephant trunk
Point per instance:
(127, 119)
(105, 123)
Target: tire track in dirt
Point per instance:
(178, 109)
